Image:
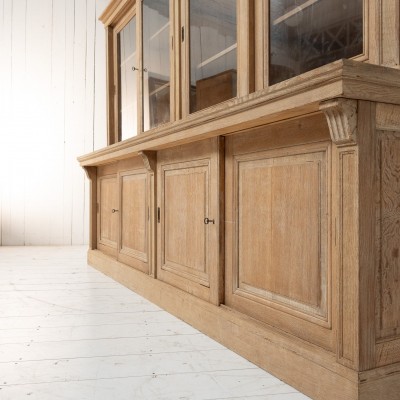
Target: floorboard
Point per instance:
(69, 332)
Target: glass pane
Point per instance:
(127, 81)
(213, 48)
(307, 34)
(156, 63)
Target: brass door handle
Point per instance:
(208, 221)
(114, 210)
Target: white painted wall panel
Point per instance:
(52, 109)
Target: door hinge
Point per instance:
(183, 33)
(158, 214)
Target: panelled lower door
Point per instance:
(134, 219)
(278, 266)
(107, 214)
(189, 219)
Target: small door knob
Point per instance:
(114, 210)
(208, 221)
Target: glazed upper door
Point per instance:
(157, 57)
(127, 79)
(209, 37)
(300, 36)
(189, 219)
(278, 266)
(107, 213)
(139, 67)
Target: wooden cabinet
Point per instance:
(125, 214)
(189, 218)
(263, 206)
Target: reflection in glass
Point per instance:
(127, 81)
(156, 63)
(213, 49)
(305, 34)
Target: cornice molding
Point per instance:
(114, 10)
(299, 96)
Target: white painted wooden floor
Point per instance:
(69, 332)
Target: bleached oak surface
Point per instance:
(69, 332)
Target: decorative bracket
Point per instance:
(149, 160)
(341, 115)
(91, 172)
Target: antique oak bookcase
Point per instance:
(251, 182)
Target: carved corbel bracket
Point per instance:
(149, 160)
(91, 172)
(341, 115)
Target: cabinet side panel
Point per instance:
(389, 235)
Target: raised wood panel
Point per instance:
(134, 219)
(134, 214)
(186, 204)
(107, 219)
(188, 249)
(278, 199)
(278, 266)
(388, 225)
(346, 243)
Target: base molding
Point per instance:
(313, 371)
(380, 383)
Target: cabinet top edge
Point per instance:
(293, 98)
(114, 9)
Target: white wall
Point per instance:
(52, 109)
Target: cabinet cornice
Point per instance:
(293, 98)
